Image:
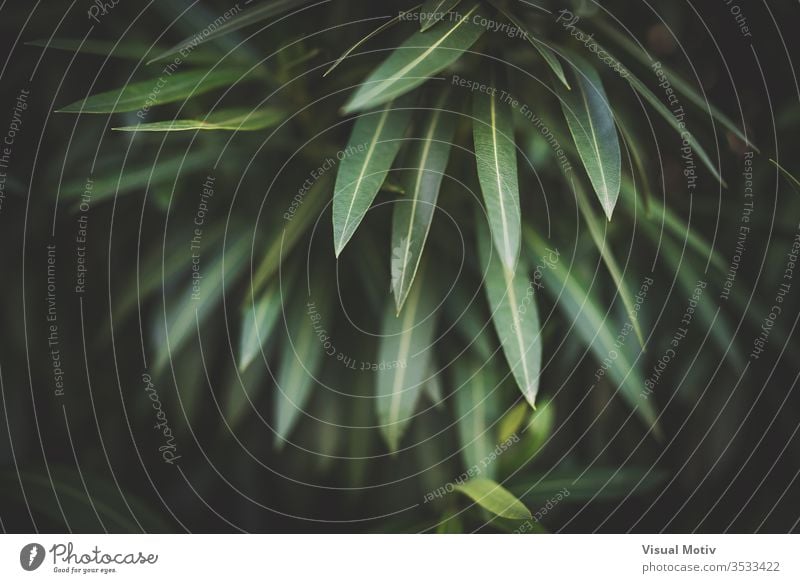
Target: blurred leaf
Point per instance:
(422, 56)
(512, 421)
(494, 498)
(591, 123)
(594, 328)
(374, 143)
(299, 365)
(496, 157)
(153, 92)
(413, 214)
(433, 387)
(434, 11)
(385, 26)
(450, 523)
(597, 483)
(787, 175)
(515, 317)
(476, 396)
(241, 120)
(403, 357)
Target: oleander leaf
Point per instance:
(496, 158)
(515, 317)
(153, 92)
(591, 123)
(299, 365)
(413, 214)
(595, 329)
(434, 11)
(403, 359)
(494, 498)
(239, 119)
(374, 142)
(422, 56)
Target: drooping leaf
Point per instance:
(603, 246)
(153, 92)
(252, 15)
(299, 365)
(403, 358)
(787, 175)
(496, 158)
(413, 214)
(240, 120)
(583, 314)
(475, 393)
(591, 123)
(546, 53)
(374, 142)
(494, 498)
(422, 56)
(515, 317)
(435, 11)
(385, 26)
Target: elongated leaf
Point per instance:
(596, 231)
(259, 319)
(476, 396)
(787, 175)
(677, 81)
(422, 56)
(252, 15)
(403, 361)
(241, 120)
(435, 11)
(496, 157)
(385, 26)
(578, 303)
(591, 123)
(153, 92)
(512, 421)
(413, 214)
(546, 53)
(373, 146)
(494, 498)
(299, 365)
(515, 317)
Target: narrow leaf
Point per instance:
(591, 123)
(423, 55)
(373, 146)
(515, 317)
(475, 394)
(494, 498)
(403, 360)
(434, 11)
(153, 92)
(241, 120)
(496, 158)
(413, 214)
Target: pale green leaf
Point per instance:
(422, 56)
(240, 120)
(413, 214)
(374, 142)
(494, 498)
(515, 317)
(475, 394)
(435, 11)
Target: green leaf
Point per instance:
(403, 359)
(241, 120)
(476, 393)
(434, 11)
(496, 157)
(413, 214)
(153, 92)
(385, 26)
(603, 246)
(515, 317)
(299, 365)
(256, 13)
(545, 52)
(373, 146)
(591, 123)
(590, 323)
(494, 498)
(512, 421)
(422, 56)
(787, 175)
